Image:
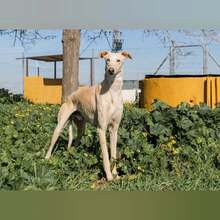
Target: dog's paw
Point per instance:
(117, 177)
(110, 178)
(114, 172)
(47, 157)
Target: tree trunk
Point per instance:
(71, 46)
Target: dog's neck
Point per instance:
(112, 82)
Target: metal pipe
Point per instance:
(91, 71)
(55, 69)
(172, 60)
(92, 80)
(38, 71)
(192, 45)
(27, 67)
(205, 60)
(213, 58)
(172, 56)
(164, 60)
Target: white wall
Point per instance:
(129, 95)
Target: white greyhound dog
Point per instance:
(101, 105)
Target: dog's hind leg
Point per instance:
(70, 140)
(80, 132)
(65, 112)
(81, 125)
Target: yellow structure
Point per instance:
(47, 90)
(175, 89)
(42, 90)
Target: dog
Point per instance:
(101, 105)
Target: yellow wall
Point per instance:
(173, 90)
(41, 90)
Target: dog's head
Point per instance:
(114, 61)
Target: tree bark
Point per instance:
(71, 46)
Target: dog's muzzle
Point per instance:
(111, 71)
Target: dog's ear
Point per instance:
(126, 54)
(103, 54)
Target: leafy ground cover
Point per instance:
(166, 149)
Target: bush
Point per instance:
(7, 97)
(166, 149)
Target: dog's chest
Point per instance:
(115, 98)
(116, 102)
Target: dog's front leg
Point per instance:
(106, 162)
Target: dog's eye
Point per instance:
(118, 61)
(107, 60)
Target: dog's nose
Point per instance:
(111, 70)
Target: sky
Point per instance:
(147, 51)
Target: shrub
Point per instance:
(166, 149)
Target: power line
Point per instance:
(89, 44)
(106, 37)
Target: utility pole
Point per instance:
(116, 41)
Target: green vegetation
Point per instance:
(166, 149)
